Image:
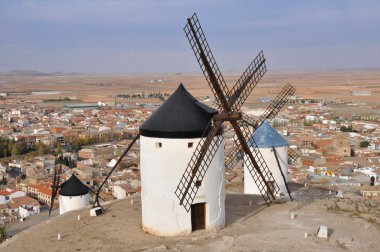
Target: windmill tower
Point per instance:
(73, 194)
(274, 149)
(167, 141)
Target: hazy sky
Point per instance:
(147, 36)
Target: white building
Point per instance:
(311, 118)
(267, 138)
(122, 191)
(167, 142)
(25, 211)
(7, 195)
(73, 195)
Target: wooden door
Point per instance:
(271, 186)
(198, 216)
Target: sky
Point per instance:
(146, 36)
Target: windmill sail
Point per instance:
(229, 102)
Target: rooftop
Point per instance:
(180, 116)
(73, 187)
(266, 136)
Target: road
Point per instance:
(20, 226)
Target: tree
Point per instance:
(3, 181)
(2, 234)
(58, 149)
(42, 149)
(347, 129)
(15, 150)
(364, 144)
(67, 161)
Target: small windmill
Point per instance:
(73, 194)
(229, 103)
(274, 149)
(235, 155)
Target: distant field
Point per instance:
(92, 88)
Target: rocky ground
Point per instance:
(250, 226)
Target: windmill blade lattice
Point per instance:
(293, 155)
(205, 58)
(257, 166)
(278, 103)
(233, 158)
(198, 165)
(248, 81)
(273, 109)
(229, 106)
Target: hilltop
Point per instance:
(249, 227)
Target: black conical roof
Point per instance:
(180, 116)
(73, 187)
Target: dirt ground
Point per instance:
(249, 227)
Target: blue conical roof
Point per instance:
(266, 136)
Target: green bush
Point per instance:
(364, 144)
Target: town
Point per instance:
(333, 144)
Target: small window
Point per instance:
(198, 183)
(158, 145)
(190, 145)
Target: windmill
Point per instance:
(274, 149)
(235, 155)
(229, 102)
(182, 128)
(73, 194)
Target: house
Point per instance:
(29, 140)
(27, 206)
(86, 153)
(101, 152)
(370, 191)
(375, 145)
(7, 195)
(313, 160)
(6, 130)
(341, 145)
(122, 191)
(23, 122)
(44, 195)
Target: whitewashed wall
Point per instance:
(161, 171)
(250, 186)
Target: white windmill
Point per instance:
(274, 150)
(73, 194)
(167, 142)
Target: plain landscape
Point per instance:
(328, 85)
